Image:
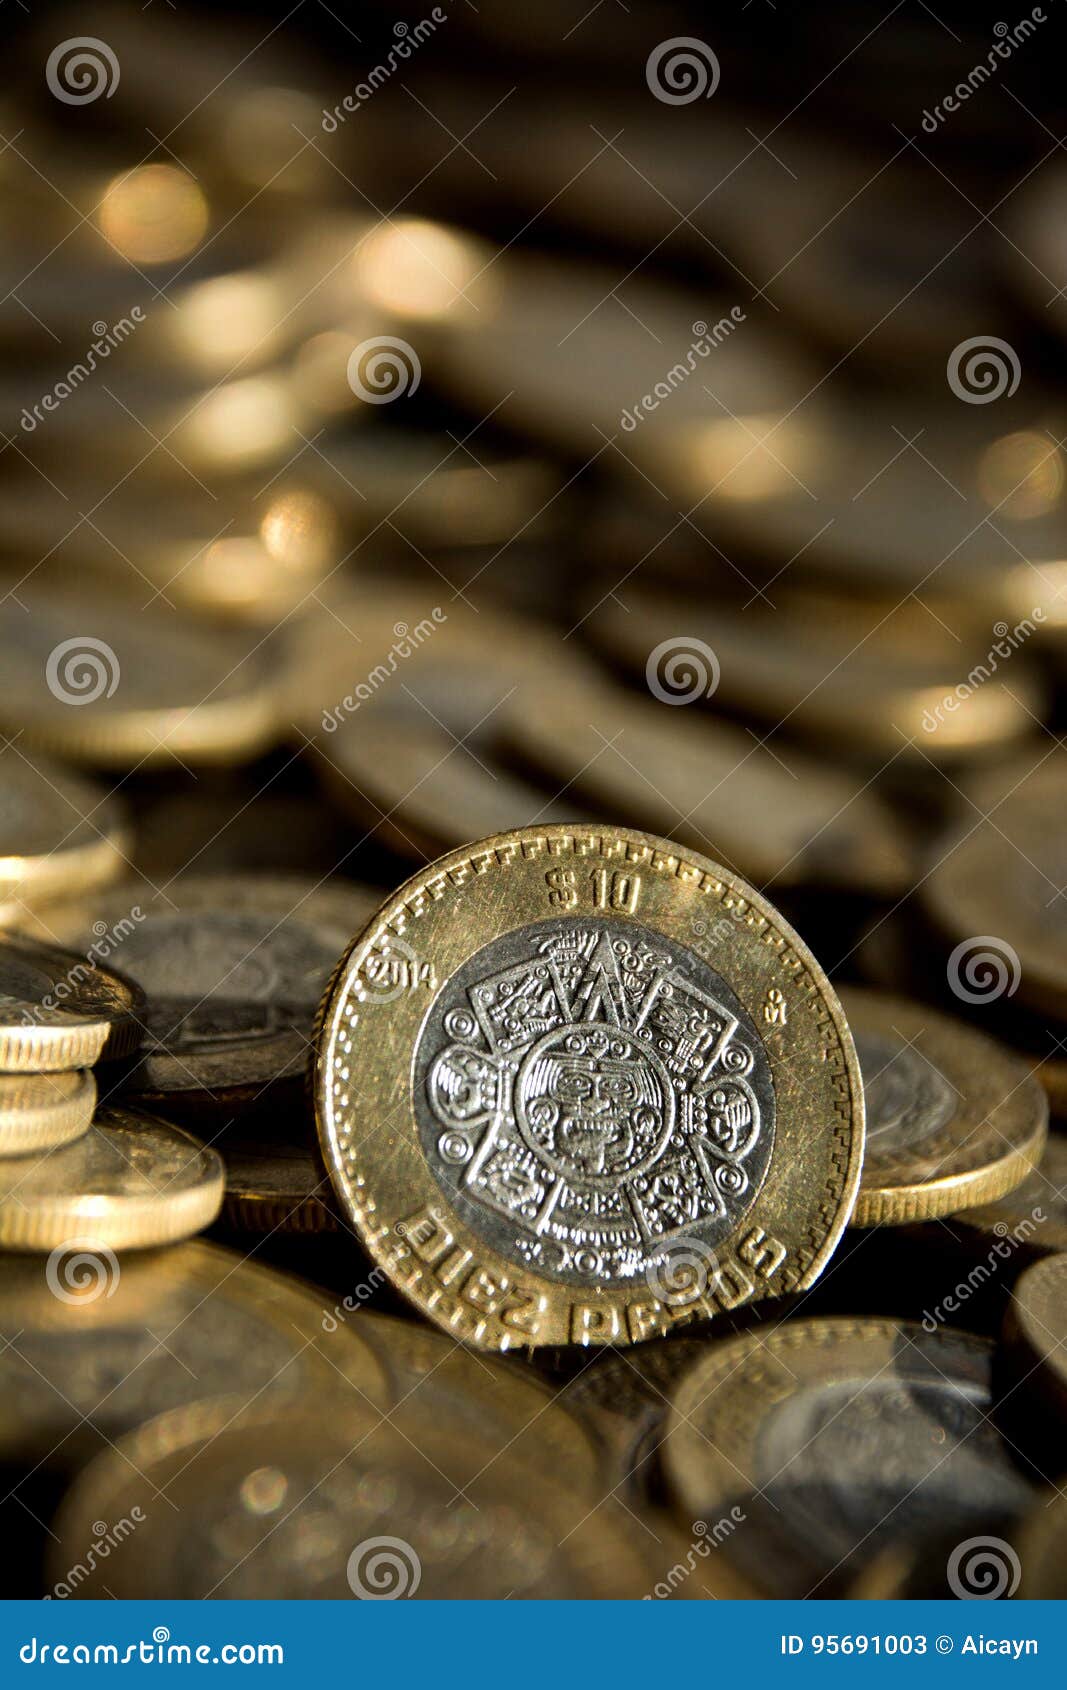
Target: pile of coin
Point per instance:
(531, 816)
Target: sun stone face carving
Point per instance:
(590, 1095)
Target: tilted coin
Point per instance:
(995, 891)
(59, 834)
(94, 1347)
(232, 968)
(577, 1086)
(129, 1182)
(417, 693)
(953, 1119)
(837, 1437)
(275, 1188)
(267, 1503)
(116, 685)
(778, 815)
(1032, 1217)
(1041, 1546)
(865, 675)
(42, 1111)
(1036, 1330)
(60, 1010)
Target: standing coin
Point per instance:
(59, 834)
(42, 1111)
(61, 1011)
(836, 1438)
(129, 1182)
(576, 1087)
(232, 968)
(953, 1120)
(1036, 1330)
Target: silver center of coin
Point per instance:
(588, 1095)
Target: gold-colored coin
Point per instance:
(837, 1438)
(42, 1111)
(953, 1120)
(232, 968)
(1041, 1545)
(1032, 1216)
(94, 1347)
(275, 1188)
(1036, 1329)
(118, 686)
(129, 1182)
(59, 834)
(61, 1010)
(334, 1502)
(778, 815)
(863, 674)
(576, 1087)
(996, 893)
(413, 697)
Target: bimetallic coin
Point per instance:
(335, 1504)
(42, 1111)
(59, 1010)
(232, 968)
(275, 1188)
(953, 1120)
(59, 834)
(94, 1347)
(837, 1438)
(128, 1183)
(577, 1087)
(1032, 1217)
(996, 892)
(117, 685)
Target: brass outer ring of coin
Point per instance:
(47, 1202)
(496, 891)
(985, 1128)
(1041, 1546)
(712, 1437)
(94, 1018)
(43, 1111)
